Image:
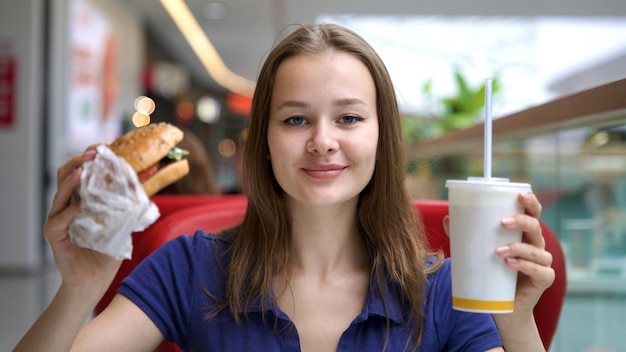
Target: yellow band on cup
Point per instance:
(476, 304)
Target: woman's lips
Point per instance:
(326, 171)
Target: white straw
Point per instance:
(488, 140)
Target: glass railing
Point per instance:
(573, 152)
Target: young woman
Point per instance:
(329, 256)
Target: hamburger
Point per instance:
(152, 153)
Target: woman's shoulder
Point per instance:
(175, 279)
(199, 240)
(188, 255)
(198, 258)
(436, 262)
(439, 274)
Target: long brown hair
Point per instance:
(385, 217)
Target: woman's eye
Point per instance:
(295, 121)
(349, 119)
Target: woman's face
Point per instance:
(323, 128)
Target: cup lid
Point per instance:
(493, 181)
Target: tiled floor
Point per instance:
(23, 296)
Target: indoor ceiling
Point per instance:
(244, 30)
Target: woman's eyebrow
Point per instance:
(302, 104)
(348, 101)
(293, 104)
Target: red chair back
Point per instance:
(215, 216)
(148, 240)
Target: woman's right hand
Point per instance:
(86, 275)
(80, 268)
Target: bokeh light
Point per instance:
(227, 148)
(140, 119)
(208, 110)
(185, 111)
(144, 105)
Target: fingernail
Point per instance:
(503, 249)
(511, 260)
(89, 153)
(508, 221)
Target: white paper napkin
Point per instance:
(113, 205)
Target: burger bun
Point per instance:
(147, 145)
(166, 176)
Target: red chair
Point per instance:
(150, 237)
(169, 203)
(213, 219)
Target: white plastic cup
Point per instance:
(481, 282)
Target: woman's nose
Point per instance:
(322, 140)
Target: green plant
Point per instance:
(453, 112)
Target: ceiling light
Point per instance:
(204, 49)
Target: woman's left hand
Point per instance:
(529, 257)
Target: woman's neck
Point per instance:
(325, 240)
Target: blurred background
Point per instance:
(71, 72)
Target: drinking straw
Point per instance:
(488, 139)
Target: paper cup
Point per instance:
(481, 282)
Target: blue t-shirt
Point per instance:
(171, 286)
